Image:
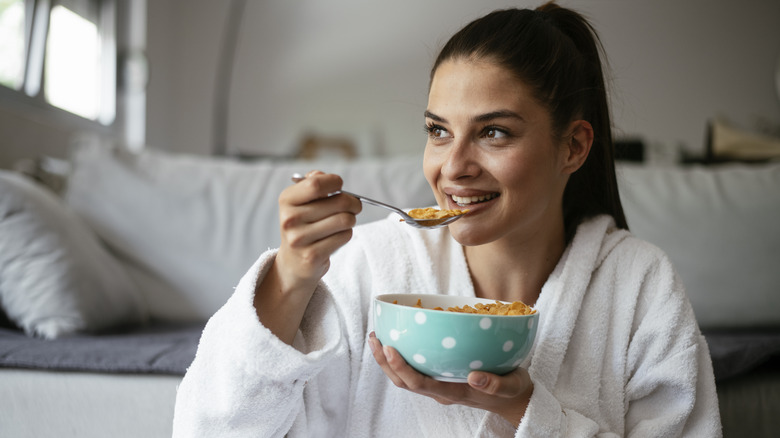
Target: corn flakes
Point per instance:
(497, 308)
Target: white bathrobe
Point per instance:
(618, 351)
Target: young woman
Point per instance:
(519, 133)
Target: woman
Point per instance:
(519, 133)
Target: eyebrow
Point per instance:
(500, 114)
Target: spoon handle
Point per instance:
(428, 224)
(297, 177)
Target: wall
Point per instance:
(183, 39)
(359, 69)
(20, 134)
(28, 131)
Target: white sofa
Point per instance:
(176, 232)
(136, 254)
(719, 225)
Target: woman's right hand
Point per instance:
(313, 226)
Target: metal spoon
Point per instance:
(417, 223)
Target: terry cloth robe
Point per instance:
(618, 351)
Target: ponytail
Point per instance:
(558, 54)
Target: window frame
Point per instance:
(30, 99)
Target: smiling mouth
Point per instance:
(470, 200)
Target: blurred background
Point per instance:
(261, 78)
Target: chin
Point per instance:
(468, 235)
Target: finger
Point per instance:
(301, 235)
(507, 386)
(379, 355)
(316, 185)
(322, 208)
(405, 376)
(446, 393)
(292, 216)
(321, 186)
(413, 380)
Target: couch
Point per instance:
(109, 271)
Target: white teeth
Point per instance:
(465, 200)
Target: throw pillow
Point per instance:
(55, 277)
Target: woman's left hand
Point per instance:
(506, 395)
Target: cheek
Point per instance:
(522, 178)
(431, 169)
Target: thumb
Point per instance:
(509, 385)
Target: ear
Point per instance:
(577, 146)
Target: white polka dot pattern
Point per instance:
(448, 348)
(508, 345)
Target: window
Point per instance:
(61, 53)
(12, 43)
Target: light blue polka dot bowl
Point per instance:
(449, 345)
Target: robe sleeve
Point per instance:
(244, 381)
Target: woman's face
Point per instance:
(491, 150)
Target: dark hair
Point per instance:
(557, 53)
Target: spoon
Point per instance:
(417, 223)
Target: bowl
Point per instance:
(449, 345)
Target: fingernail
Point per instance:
(371, 344)
(477, 379)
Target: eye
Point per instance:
(436, 132)
(493, 132)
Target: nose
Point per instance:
(460, 161)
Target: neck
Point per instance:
(511, 271)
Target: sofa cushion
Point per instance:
(188, 227)
(55, 277)
(719, 225)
